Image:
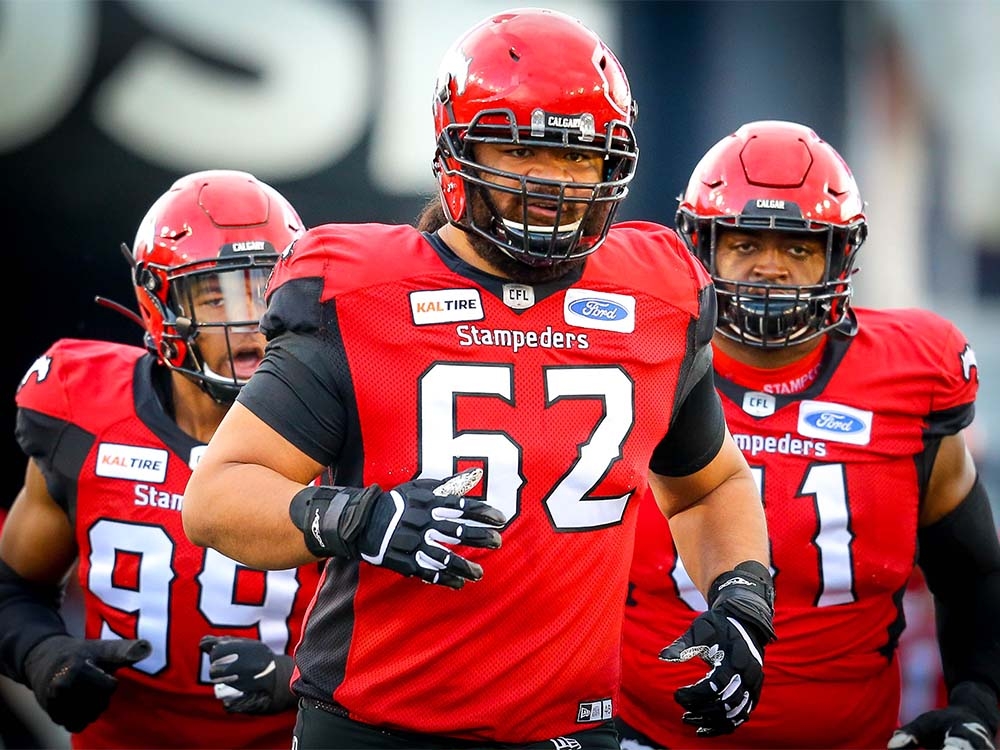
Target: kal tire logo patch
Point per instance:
(131, 462)
(445, 306)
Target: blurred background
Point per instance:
(104, 104)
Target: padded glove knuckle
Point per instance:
(405, 529)
(730, 637)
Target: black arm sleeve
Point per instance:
(960, 557)
(696, 434)
(298, 394)
(29, 613)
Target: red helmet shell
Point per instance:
(779, 176)
(774, 160)
(206, 220)
(531, 62)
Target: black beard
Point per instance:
(507, 265)
(517, 271)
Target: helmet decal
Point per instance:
(454, 68)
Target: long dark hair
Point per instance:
(431, 216)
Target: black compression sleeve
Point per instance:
(297, 395)
(29, 613)
(960, 557)
(696, 435)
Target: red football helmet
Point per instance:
(779, 176)
(537, 78)
(203, 255)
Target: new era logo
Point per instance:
(593, 711)
(565, 743)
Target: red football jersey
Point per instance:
(841, 467)
(119, 464)
(559, 392)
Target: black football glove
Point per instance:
(249, 678)
(73, 679)
(730, 637)
(405, 529)
(969, 722)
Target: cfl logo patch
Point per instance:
(593, 711)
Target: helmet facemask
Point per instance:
(211, 321)
(776, 176)
(769, 315)
(574, 233)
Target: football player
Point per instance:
(852, 421)
(112, 433)
(522, 372)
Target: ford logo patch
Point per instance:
(834, 422)
(598, 309)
